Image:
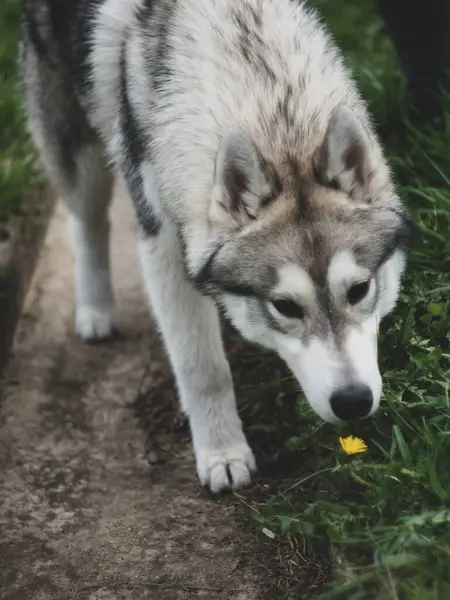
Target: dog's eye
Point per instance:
(288, 308)
(357, 292)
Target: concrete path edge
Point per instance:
(19, 252)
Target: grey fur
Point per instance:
(255, 173)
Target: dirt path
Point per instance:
(84, 514)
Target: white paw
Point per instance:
(230, 468)
(94, 323)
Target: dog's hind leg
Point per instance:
(74, 161)
(89, 227)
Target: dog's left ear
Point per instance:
(347, 159)
(242, 182)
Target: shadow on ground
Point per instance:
(98, 494)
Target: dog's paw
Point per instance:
(230, 468)
(94, 324)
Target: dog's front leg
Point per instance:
(190, 326)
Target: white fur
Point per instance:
(322, 368)
(151, 189)
(190, 326)
(113, 22)
(89, 227)
(295, 283)
(361, 349)
(343, 271)
(390, 279)
(318, 368)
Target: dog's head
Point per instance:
(307, 259)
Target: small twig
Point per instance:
(249, 506)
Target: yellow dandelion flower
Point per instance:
(352, 445)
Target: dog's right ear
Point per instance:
(242, 182)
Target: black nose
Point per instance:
(352, 402)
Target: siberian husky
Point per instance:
(259, 185)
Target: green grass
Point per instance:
(17, 158)
(386, 513)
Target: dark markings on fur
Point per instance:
(380, 245)
(256, 13)
(145, 13)
(293, 166)
(158, 17)
(284, 108)
(204, 279)
(334, 184)
(48, 92)
(276, 187)
(301, 184)
(318, 250)
(134, 142)
(236, 288)
(184, 252)
(398, 240)
(319, 178)
(212, 280)
(330, 323)
(134, 150)
(61, 33)
(411, 231)
(237, 184)
(242, 24)
(250, 43)
(372, 245)
(31, 34)
(319, 166)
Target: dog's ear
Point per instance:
(347, 160)
(242, 182)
